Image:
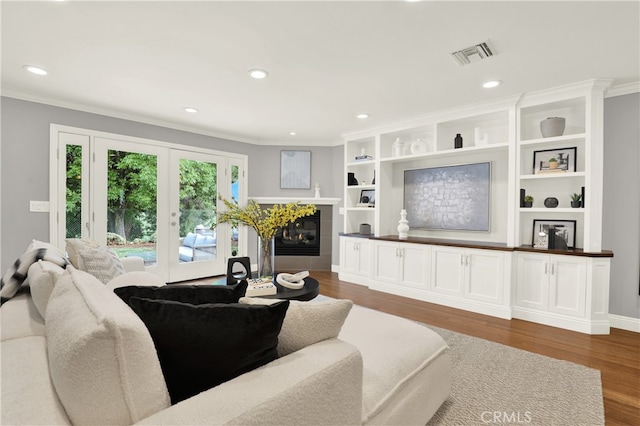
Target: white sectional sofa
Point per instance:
(84, 357)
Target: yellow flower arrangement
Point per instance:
(265, 222)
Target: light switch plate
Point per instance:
(38, 206)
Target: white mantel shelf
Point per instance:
(301, 200)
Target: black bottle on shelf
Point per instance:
(458, 141)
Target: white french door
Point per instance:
(146, 199)
(197, 243)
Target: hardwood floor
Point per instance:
(616, 355)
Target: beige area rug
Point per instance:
(498, 384)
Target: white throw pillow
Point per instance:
(101, 262)
(42, 278)
(103, 362)
(307, 323)
(74, 245)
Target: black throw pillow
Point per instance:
(201, 346)
(193, 294)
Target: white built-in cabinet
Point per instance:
(355, 259)
(401, 264)
(564, 289)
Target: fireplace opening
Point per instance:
(300, 238)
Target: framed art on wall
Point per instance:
(559, 160)
(564, 228)
(295, 169)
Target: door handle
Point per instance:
(553, 269)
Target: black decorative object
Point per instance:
(238, 268)
(523, 193)
(551, 202)
(458, 141)
(351, 179)
(551, 242)
(373, 182)
(582, 198)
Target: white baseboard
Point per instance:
(625, 323)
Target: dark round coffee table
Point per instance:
(310, 290)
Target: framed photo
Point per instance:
(564, 228)
(295, 169)
(368, 196)
(559, 160)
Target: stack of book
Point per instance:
(259, 287)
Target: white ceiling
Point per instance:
(328, 60)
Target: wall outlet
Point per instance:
(341, 210)
(38, 206)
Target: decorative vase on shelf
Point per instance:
(266, 257)
(552, 126)
(480, 140)
(457, 141)
(397, 148)
(403, 225)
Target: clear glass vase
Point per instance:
(266, 258)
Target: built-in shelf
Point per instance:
(551, 210)
(554, 176)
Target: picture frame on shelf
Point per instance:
(367, 198)
(564, 228)
(295, 169)
(557, 160)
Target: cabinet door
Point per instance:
(447, 273)
(364, 257)
(532, 287)
(350, 255)
(386, 262)
(567, 286)
(484, 275)
(414, 265)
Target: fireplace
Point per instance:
(300, 238)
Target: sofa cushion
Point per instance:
(28, 396)
(101, 262)
(102, 360)
(19, 317)
(391, 368)
(189, 240)
(201, 346)
(42, 277)
(138, 278)
(307, 323)
(193, 294)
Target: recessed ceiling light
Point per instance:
(258, 73)
(490, 84)
(36, 70)
(191, 110)
(292, 133)
(363, 115)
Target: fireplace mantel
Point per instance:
(302, 200)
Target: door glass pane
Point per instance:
(235, 194)
(132, 204)
(74, 192)
(198, 206)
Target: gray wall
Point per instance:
(24, 176)
(621, 213)
(24, 160)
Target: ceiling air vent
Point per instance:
(473, 53)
